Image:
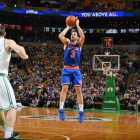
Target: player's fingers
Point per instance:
(71, 27)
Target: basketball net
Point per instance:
(106, 71)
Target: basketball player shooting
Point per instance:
(71, 71)
(7, 97)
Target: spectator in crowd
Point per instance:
(34, 102)
(45, 99)
(40, 99)
(132, 104)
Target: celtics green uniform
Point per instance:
(7, 97)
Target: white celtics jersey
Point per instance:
(4, 57)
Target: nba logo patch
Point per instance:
(80, 82)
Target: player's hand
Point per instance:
(70, 27)
(77, 21)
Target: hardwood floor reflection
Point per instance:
(43, 124)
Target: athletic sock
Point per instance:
(4, 128)
(61, 105)
(9, 132)
(81, 107)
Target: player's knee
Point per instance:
(64, 89)
(78, 90)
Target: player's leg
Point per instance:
(77, 81)
(78, 90)
(10, 122)
(2, 120)
(65, 81)
(8, 103)
(80, 103)
(3, 125)
(11, 111)
(62, 100)
(63, 95)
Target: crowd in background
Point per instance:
(42, 85)
(95, 5)
(101, 5)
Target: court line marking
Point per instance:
(27, 139)
(83, 130)
(67, 138)
(73, 118)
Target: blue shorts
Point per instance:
(71, 75)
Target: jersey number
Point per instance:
(73, 54)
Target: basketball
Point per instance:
(71, 20)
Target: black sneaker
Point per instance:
(16, 135)
(10, 138)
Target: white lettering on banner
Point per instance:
(100, 14)
(31, 12)
(113, 14)
(86, 14)
(110, 102)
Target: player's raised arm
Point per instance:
(18, 49)
(82, 36)
(62, 35)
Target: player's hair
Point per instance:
(2, 30)
(76, 32)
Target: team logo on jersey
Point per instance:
(68, 118)
(72, 47)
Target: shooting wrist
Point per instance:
(67, 28)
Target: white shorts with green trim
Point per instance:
(7, 97)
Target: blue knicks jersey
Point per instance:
(72, 55)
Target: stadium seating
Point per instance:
(109, 3)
